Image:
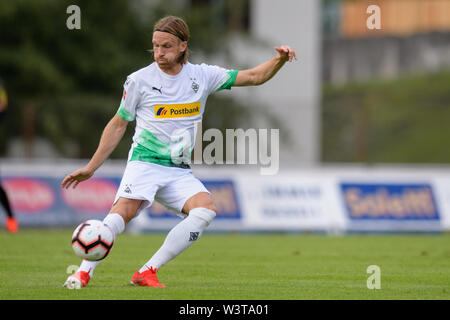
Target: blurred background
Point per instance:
(362, 114)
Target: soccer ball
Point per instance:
(92, 240)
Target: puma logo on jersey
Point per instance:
(156, 89)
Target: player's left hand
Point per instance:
(286, 53)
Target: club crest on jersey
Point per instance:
(195, 86)
(128, 189)
(177, 110)
(194, 236)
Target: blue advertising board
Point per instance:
(40, 201)
(410, 206)
(390, 201)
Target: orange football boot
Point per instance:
(11, 225)
(146, 279)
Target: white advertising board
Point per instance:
(293, 201)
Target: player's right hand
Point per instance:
(76, 177)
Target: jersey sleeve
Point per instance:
(219, 78)
(130, 100)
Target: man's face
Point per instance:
(167, 48)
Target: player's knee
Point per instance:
(200, 200)
(207, 203)
(210, 206)
(205, 214)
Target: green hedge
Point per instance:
(406, 120)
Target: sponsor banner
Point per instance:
(94, 196)
(30, 196)
(390, 206)
(290, 202)
(40, 201)
(177, 110)
(322, 199)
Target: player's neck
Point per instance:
(171, 70)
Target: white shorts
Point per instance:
(170, 186)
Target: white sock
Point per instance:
(181, 237)
(117, 225)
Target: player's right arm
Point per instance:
(111, 136)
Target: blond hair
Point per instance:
(178, 27)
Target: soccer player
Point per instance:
(11, 223)
(167, 99)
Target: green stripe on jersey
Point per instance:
(124, 114)
(151, 149)
(232, 74)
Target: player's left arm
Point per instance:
(266, 70)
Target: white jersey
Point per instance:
(166, 109)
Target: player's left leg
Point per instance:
(122, 212)
(200, 212)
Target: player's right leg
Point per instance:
(120, 214)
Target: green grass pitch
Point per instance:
(234, 267)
